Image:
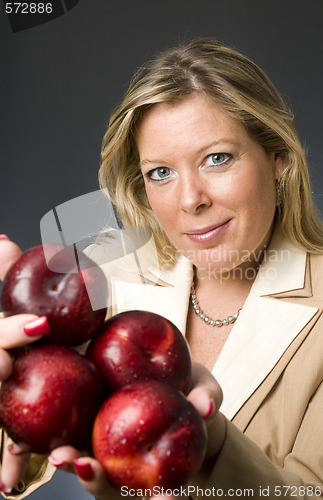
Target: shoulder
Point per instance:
(316, 260)
(316, 271)
(125, 258)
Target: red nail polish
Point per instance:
(57, 463)
(5, 489)
(36, 327)
(16, 450)
(210, 410)
(4, 237)
(84, 470)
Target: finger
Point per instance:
(5, 365)
(22, 329)
(63, 456)
(93, 479)
(205, 394)
(203, 377)
(16, 449)
(88, 470)
(202, 401)
(14, 465)
(9, 253)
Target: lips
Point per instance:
(207, 234)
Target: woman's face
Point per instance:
(210, 185)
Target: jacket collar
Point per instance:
(283, 271)
(182, 270)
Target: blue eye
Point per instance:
(217, 159)
(159, 174)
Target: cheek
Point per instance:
(265, 191)
(257, 211)
(163, 206)
(252, 194)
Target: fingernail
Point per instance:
(84, 470)
(57, 463)
(5, 489)
(16, 450)
(210, 410)
(36, 327)
(4, 237)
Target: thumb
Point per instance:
(206, 393)
(9, 253)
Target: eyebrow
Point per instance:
(199, 151)
(227, 140)
(144, 162)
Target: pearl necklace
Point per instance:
(198, 311)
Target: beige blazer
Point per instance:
(270, 368)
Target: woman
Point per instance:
(204, 153)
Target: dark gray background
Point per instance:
(61, 80)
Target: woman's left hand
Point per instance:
(206, 396)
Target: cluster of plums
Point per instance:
(124, 399)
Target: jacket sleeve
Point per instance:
(244, 469)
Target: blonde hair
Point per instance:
(241, 89)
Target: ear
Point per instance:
(280, 163)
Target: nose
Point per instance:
(193, 195)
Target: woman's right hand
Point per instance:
(15, 331)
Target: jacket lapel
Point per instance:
(170, 302)
(271, 318)
(167, 294)
(263, 332)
